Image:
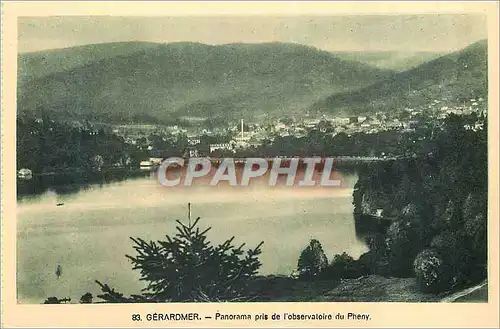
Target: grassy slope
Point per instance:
(372, 288)
(161, 81)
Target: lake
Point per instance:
(89, 235)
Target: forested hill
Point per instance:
(437, 207)
(35, 65)
(457, 76)
(145, 82)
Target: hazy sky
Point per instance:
(404, 33)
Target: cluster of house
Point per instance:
(242, 140)
(403, 120)
(468, 107)
(334, 125)
(406, 119)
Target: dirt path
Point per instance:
(477, 293)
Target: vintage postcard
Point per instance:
(250, 164)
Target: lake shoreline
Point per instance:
(75, 234)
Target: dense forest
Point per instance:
(69, 157)
(45, 145)
(423, 216)
(435, 206)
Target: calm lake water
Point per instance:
(89, 235)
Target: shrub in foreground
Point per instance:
(312, 261)
(345, 267)
(56, 300)
(431, 271)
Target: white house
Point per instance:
(342, 121)
(220, 146)
(361, 119)
(25, 173)
(145, 165)
(155, 161)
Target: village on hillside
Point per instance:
(227, 140)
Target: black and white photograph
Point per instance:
(233, 158)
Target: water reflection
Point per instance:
(89, 235)
(71, 183)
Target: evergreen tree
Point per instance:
(312, 261)
(187, 267)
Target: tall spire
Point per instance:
(242, 128)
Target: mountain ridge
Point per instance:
(166, 79)
(456, 76)
(155, 83)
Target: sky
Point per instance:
(435, 33)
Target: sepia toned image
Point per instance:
(242, 159)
